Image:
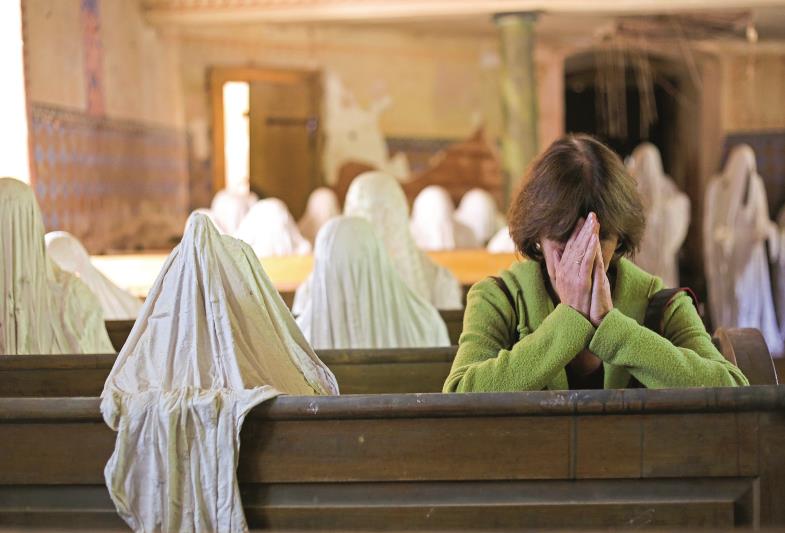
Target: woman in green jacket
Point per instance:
(571, 315)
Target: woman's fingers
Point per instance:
(579, 246)
(589, 259)
(575, 230)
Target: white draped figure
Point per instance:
(213, 340)
(70, 255)
(478, 212)
(43, 310)
(358, 300)
(434, 225)
(322, 206)
(667, 212)
(228, 208)
(379, 198)
(736, 227)
(271, 230)
(501, 243)
(779, 274)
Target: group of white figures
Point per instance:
(214, 338)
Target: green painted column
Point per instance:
(518, 85)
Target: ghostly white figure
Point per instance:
(736, 226)
(43, 310)
(478, 211)
(209, 214)
(434, 225)
(322, 206)
(502, 243)
(271, 230)
(70, 255)
(379, 198)
(230, 207)
(358, 300)
(667, 215)
(213, 340)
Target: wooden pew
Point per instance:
(120, 329)
(710, 458)
(409, 370)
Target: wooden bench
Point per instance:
(407, 370)
(710, 458)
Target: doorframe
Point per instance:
(218, 76)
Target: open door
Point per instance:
(285, 141)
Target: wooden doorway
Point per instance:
(284, 126)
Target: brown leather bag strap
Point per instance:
(506, 290)
(655, 312)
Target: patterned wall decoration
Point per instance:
(769, 147)
(116, 185)
(418, 151)
(93, 56)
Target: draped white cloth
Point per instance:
(379, 198)
(667, 212)
(779, 273)
(502, 243)
(358, 300)
(322, 206)
(434, 225)
(271, 230)
(213, 340)
(478, 212)
(69, 254)
(230, 207)
(736, 227)
(209, 214)
(43, 310)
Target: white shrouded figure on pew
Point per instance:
(667, 212)
(501, 243)
(322, 206)
(736, 227)
(434, 225)
(271, 230)
(229, 207)
(43, 309)
(358, 300)
(213, 340)
(478, 212)
(71, 256)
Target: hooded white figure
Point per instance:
(502, 243)
(379, 198)
(213, 340)
(70, 255)
(478, 211)
(434, 225)
(209, 214)
(43, 310)
(735, 229)
(358, 300)
(230, 207)
(667, 215)
(322, 206)
(271, 230)
(779, 274)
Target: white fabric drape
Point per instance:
(667, 215)
(478, 212)
(779, 273)
(230, 207)
(214, 339)
(736, 227)
(43, 310)
(271, 230)
(502, 243)
(69, 254)
(434, 225)
(379, 198)
(358, 300)
(322, 206)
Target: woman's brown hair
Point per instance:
(576, 175)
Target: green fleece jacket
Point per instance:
(550, 337)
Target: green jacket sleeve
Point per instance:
(684, 357)
(486, 363)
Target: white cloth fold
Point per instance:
(322, 206)
(478, 211)
(214, 339)
(70, 255)
(229, 208)
(434, 225)
(736, 226)
(43, 310)
(358, 300)
(667, 212)
(502, 243)
(271, 230)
